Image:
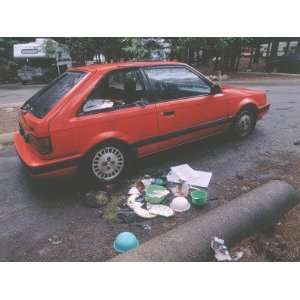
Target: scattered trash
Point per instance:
(181, 189)
(140, 186)
(190, 176)
(147, 180)
(160, 210)
(125, 241)
(147, 227)
(147, 195)
(180, 204)
(133, 191)
(199, 197)
(297, 143)
(96, 199)
(144, 213)
(222, 252)
(137, 208)
(237, 256)
(141, 199)
(54, 240)
(159, 181)
(155, 193)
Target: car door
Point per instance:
(122, 109)
(187, 110)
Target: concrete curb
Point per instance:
(240, 217)
(7, 138)
(270, 73)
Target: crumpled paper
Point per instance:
(221, 251)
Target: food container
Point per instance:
(155, 193)
(199, 197)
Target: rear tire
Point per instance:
(244, 123)
(107, 163)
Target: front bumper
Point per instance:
(263, 110)
(37, 166)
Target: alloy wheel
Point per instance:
(108, 163)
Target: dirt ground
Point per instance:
(282, 241)
(8, 119)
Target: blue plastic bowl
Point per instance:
(125, 241)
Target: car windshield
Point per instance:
(41, 103)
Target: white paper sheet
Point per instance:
(192, 177)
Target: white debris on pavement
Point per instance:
(134, 191)
(147, 193)
(54, 240)
(137, 208)
(187, 174)
(180, 204)
(160, 210)
(221, 251)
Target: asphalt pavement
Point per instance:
(17, 93)
(48, 221)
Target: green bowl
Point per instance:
(199, 197)
(155, 193)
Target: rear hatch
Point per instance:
(42, 102)
(33, 113)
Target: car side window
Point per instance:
(117, 89)
(176, 82)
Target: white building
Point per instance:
(42, 59)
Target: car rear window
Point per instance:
(41, 103)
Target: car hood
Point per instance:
(240, 91)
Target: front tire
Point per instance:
(244, 123)
(107, 163)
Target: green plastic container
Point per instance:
(155, 193)
(199, 197)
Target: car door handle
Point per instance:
(168, 113)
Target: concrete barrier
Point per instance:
(238, 218)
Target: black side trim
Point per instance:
(52, 167)
(182, 132)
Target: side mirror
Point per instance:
(216, 89)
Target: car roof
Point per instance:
(119, 65)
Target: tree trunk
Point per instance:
(251, 59)
(287, 48)
(268, 57)
(274, 49)
(257, 53)
(198, 57)
(237, 63)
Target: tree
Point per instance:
(7, 63)
(140, 48)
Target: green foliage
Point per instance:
(7, 63)
(185, 49)
(140, 48)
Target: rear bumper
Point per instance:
(38, 167)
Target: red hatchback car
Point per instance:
(98, 117)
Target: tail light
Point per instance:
(41, 144)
